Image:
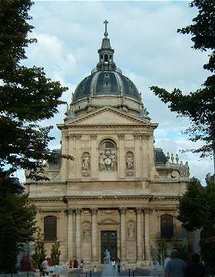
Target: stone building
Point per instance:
(109, 187)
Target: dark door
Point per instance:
(108, 241)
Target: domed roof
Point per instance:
(106, 82)
(106, 79)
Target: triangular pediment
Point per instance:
(108, 116)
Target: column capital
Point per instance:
(75, 136)
(147, 210)
(139, 210)
(70, 211)
(138, 136)
(93, 136)
(77, 211)
(122, 210)
(94, 211)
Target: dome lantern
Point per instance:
(106, 53)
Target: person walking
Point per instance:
(195, 268)
(45, 267)
(118, 265)
(175, 267)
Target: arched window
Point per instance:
(167, 229)
(107, 156)
(50, 228)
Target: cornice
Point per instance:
(116, 198)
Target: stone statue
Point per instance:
(107, 256)
(86, 235)
(86, 163)
(130, 161)
(85, 166)
(131, 230)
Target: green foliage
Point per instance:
(182, 249)
(26, 94)
(17, 223)
(192, 206)
(198, 106)
(196, 211)
(163, 248)
(55, 253)
(159, 251)
(39, 250)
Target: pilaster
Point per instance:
(139, 234)
(94, 234)
(70, 242)
(147, 234)
(121, 157)
(78, 233)
(123, 234)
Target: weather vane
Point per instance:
(106, 33)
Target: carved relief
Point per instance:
(85, 164)
(107, 156)
(129, 159)
(131, 230)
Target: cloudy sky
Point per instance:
(147, 49)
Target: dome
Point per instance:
(104, 83)
(106, 86)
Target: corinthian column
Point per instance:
(78, 233)
(139, 235)
(147, 239)
(94, 235)
(122, 233)
(70, 242)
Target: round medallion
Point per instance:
(108, 161)
(174, 174)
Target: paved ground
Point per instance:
(109, 271)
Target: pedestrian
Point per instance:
(113, 263)
(75, 263)
(166, 260)
(82, 265)
(175, 266)
(45, 267)
(195, 268)
(118, 265)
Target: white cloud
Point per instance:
(147, 48)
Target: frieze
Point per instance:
(121, 136)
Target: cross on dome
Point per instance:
(106, 32)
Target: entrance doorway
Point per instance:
(108, 241)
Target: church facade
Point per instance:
(109, 187)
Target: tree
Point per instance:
(27, 96)
(39, 250)
(17, 223)
(196, 212)
(198, 106)
(55, 253)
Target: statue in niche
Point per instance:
(86, 235)
(130, 161)
(85, 164)
(131, 230)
